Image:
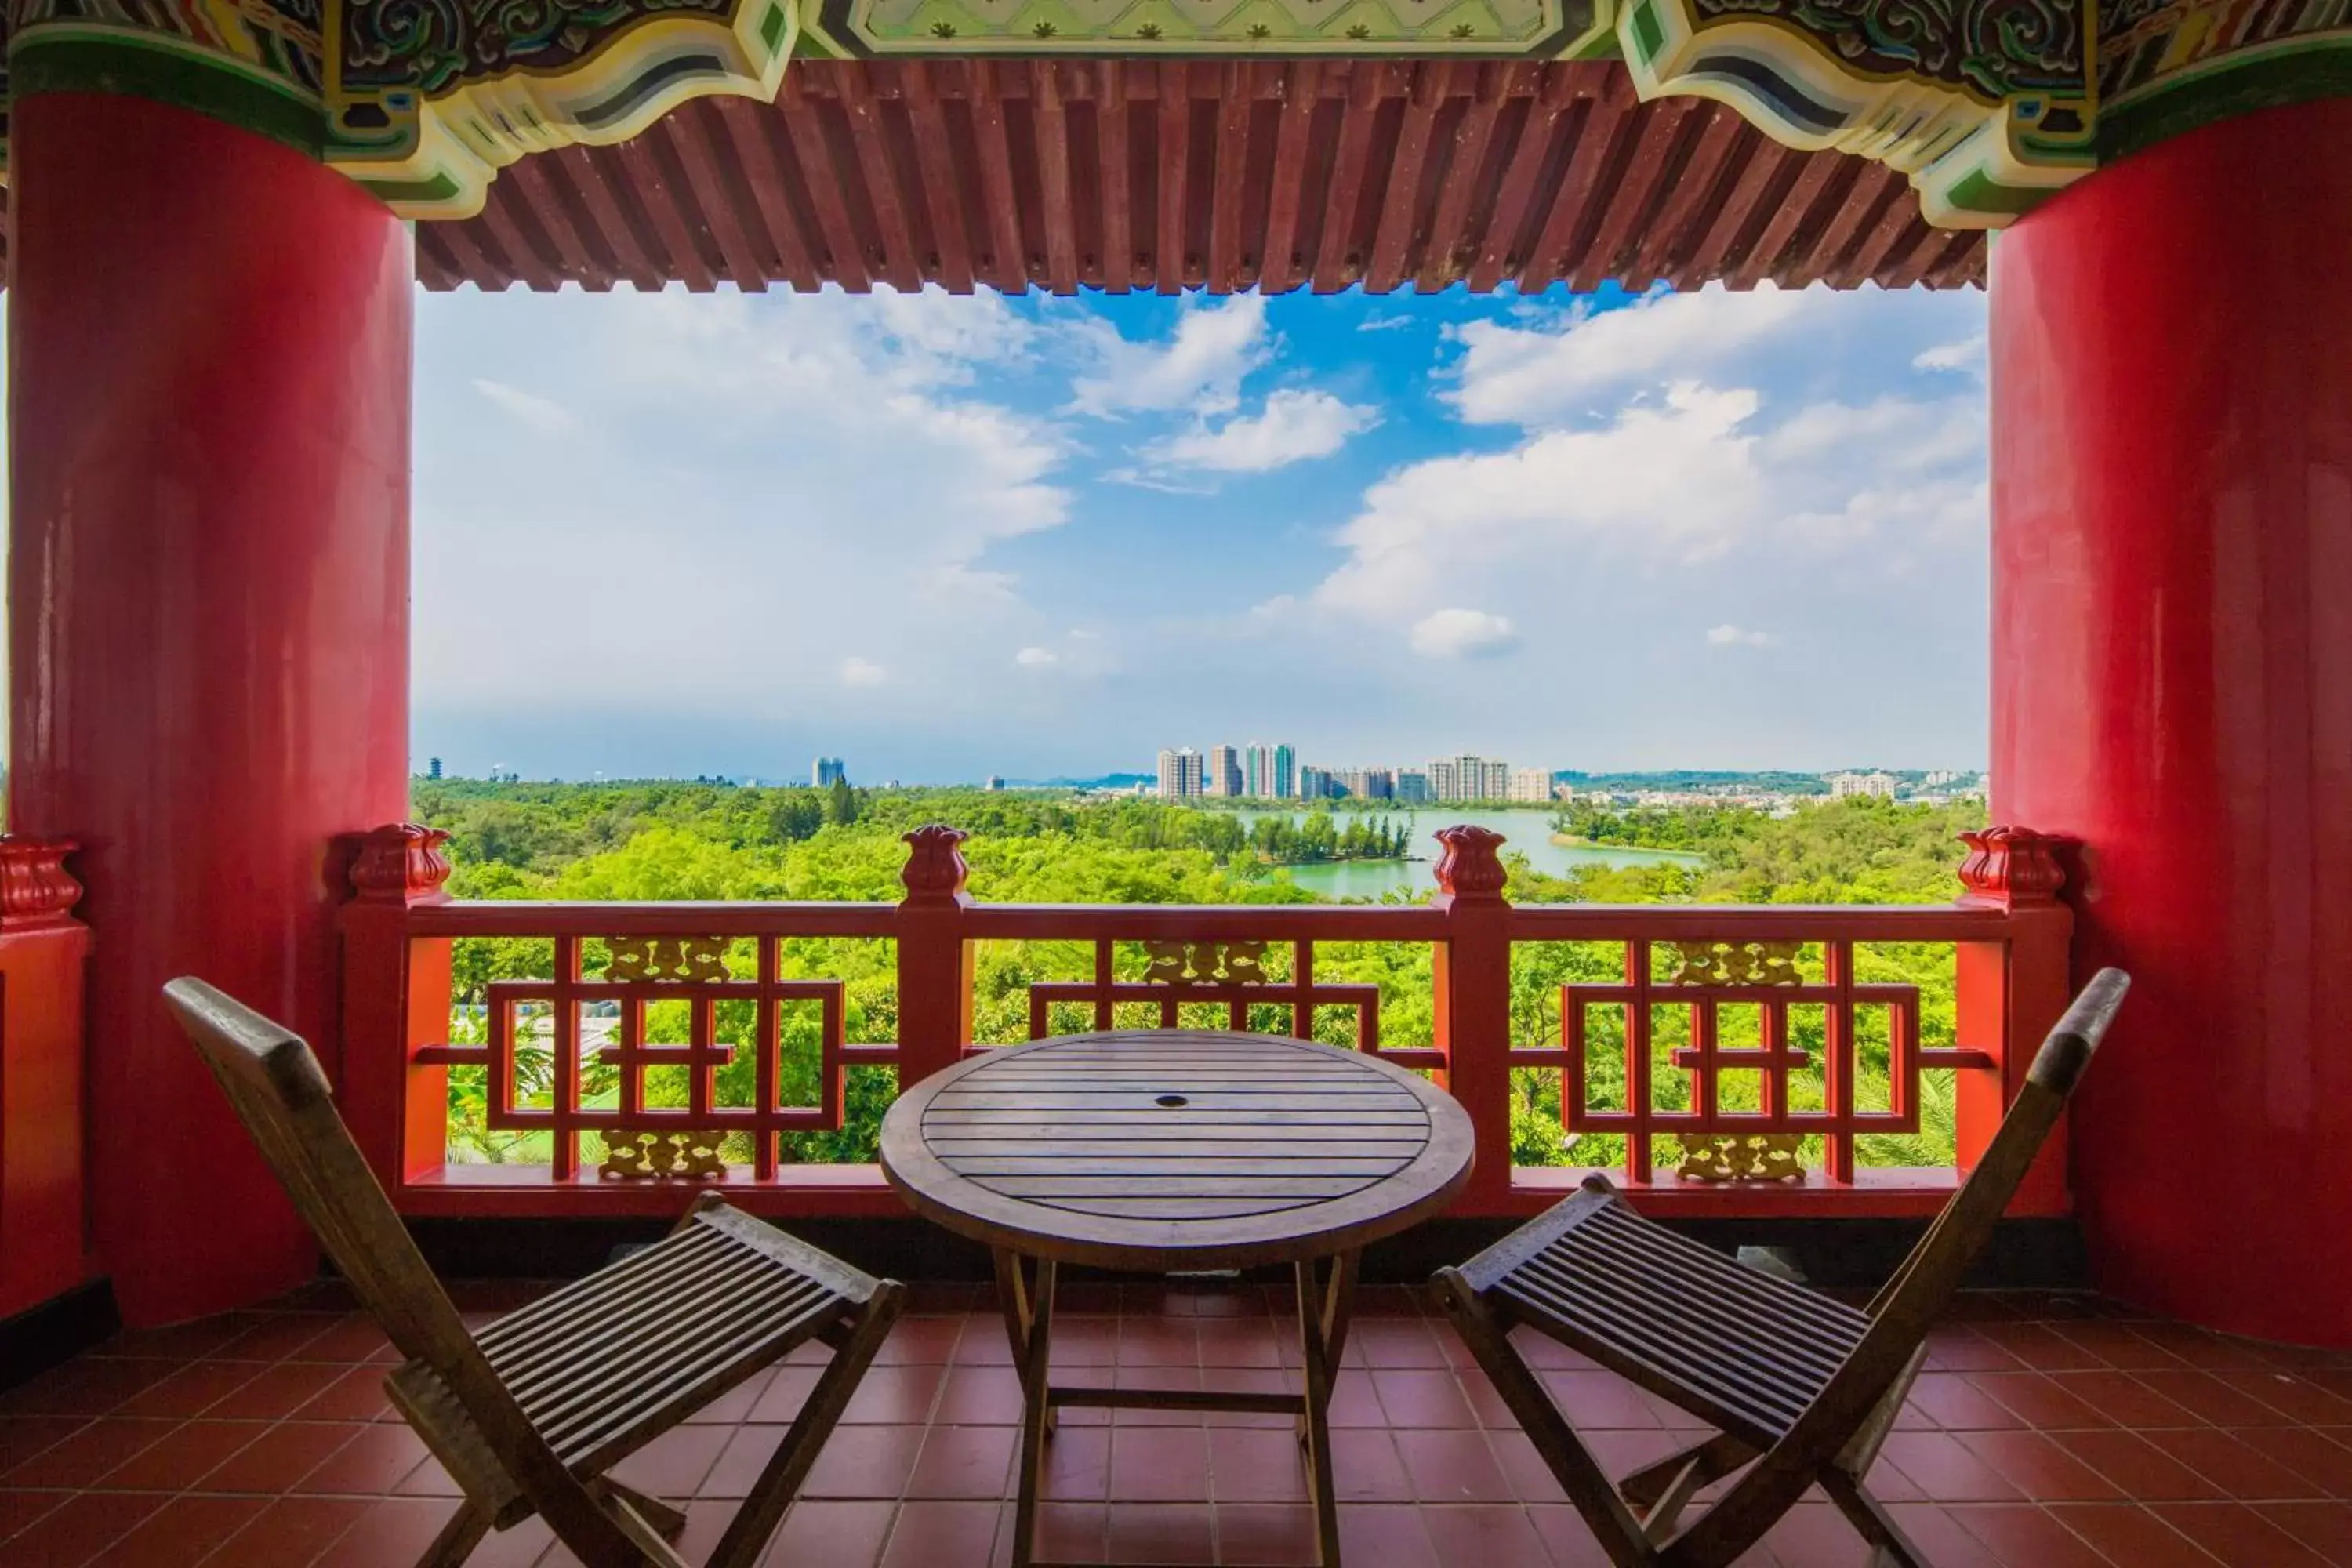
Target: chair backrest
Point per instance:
(1921, 1288)
(277, 1090)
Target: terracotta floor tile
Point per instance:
(1599, 1399)
(374, 1463)
(887, 1396)
(2037, 1467)
(2239, 1536)
(746, 1453)
(354, 1338)
(277, 1392)
(2209, 1399)
(865, 1462)
(78, 1530)
(1355, 1402)
(2241, 1471)
(2290, 1393)
(1488, 1535)
(2040, 1400)
(1146, 1377)
(279, 1456)
(181, 1341)
(2122, 1398)
(737, 1403)
(281, 1335)
(1366, 1469)
(1567, 1537)
(1944, 1540)
(673, 1464)
(1547, 1355)
(193, 1450)
(849, 1533)
(2119, 1346)
(787, 1389)
(392, 1533)
(1077, 1465)
(2325, 1527)
(980, 1396)
(927, 1339)
(1157, 1342)
(934, 1535)
(1399, 1342)
(1084, 1342)
(1954, 1347)
(1256, 1465)
(1422, 1398)
(1235, 1342)
(291, 1533)
(2306, 1451)
(2130, 1536)
(1452, 1467)
(1946, 1471)
(91, 1451)
(1250, 1380)
(1162, 1532)
(1071, 1532)
(88, 1387)
(20, 1510)
(193, 1389)
(2197, 1347)
(2024, 1536)
(1386, 1537)
(2042, 1347)
(1266, 1533)
(1531, 1480)
(1815, 1535)
(183, 1531)
(1159, 1464)
(2138, 1466)
(1955, 1402)
(965, 1463)
(22, 1436)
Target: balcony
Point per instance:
(2048, 1431)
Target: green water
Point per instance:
(1528, 832)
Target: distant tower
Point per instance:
(826, 772)
(995, 782)
(1286, 773)
(1224, 773)
(433, 767)
(1180, 774)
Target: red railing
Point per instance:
(1735, 1033)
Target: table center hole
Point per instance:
(1172, 1102)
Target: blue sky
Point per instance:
(948, 537)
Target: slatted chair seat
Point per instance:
(529, 1416)
(1744, 1350)
(1802, 1390)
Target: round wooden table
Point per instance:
(1169, 1150)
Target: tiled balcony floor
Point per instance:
(2048, 1432)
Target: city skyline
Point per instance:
(954, 536)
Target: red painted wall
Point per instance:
(2172, 682)
(208, 621)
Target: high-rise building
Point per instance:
(825, 771)
(1368, 783)
(1881, 784)
(1223, 775)
(1494, 780)
(1316, 784)
(1180, 774)
(994, 785)
(1413, 786)
(1469, 778)
(1286, 773)
(432, 767)
(1257, 771)
(1530, 784)
(1444, 779)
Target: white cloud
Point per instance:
(1729, 636)
(1199, 368)
(1463, 634)
(1295, 426)
(1554, 368)
(1967, 354)
(1036, 658)
(1384, 323)
(856, 671)
(543, 414)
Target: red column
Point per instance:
(2172, 684)
(208, 621)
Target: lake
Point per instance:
(1528, 832)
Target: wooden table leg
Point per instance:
(1029, 1318)
(1323, 1311)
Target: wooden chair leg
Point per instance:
(1716, 1459)
(1891, 1547)
(1585, 1482)
(665, 1516)
(458, 1538)
(764, 1508)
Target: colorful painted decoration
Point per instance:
(2169, 66)
(1984, 103)
(1541, 29)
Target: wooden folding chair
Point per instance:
(530, 1417)
(1801, 1389)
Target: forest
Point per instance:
(659, 840)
